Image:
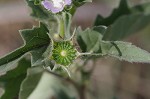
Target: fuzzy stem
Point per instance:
(61, 28)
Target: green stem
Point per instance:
(61, 29)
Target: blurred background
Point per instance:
(112, 79)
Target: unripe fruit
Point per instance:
(64, 53)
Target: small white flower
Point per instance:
(58, 3)
(55, 5)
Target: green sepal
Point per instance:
(37, 2)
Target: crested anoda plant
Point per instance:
(59, 51)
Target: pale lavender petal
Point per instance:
(68, 2)
(56, 10)
(49, 6)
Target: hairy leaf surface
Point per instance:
(13, 79)
(125, 51)
(89, 40)
(49, 86)
(33, 39)
(126, 25)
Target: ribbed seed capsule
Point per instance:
(64, 53)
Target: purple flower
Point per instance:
(55, 5)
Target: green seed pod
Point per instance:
(63, 53)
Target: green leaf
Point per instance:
(37, 56)
(41, 57)
(126, 25)
(101, 29)
(143, 8)
(30, 82)
(13, 79)
(123, 9)
(40, 85)
(33, 39)
(9, 61)
(89, 40)
(125, 51)
(51, 86)
(38, 36)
